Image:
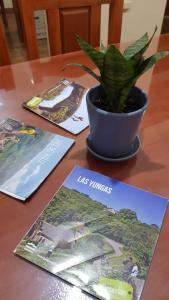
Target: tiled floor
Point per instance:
(16, 48)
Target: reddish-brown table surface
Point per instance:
(149, 170)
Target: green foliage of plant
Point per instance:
(119, 71)
(70, 205)
(126, 215)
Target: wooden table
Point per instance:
(148, 170)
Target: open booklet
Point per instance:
(98, 234)
(63, 104)
(27, 156)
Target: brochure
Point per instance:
(27, 156)
(98, 234)
(64, 104)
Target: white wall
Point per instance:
(140, 16)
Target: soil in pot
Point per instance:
(131, 105)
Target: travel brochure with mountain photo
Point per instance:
(27, 156)
(98, 234)
(64, 104)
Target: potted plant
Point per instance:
(116, 106)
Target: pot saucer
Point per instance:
(133, 152)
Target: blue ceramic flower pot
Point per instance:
(113, 134)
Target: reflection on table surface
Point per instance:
(148, 170)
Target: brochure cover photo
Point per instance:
(63, 104)
(27, 156)
(98, 234)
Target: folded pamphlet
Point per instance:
(27, 156)
(64, 104)
(98, 234)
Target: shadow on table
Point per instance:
(119, 170)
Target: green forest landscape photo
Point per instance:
(27, 154)
(98, 247)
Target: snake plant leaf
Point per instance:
(136, 47)
(96, 56)
(86, 69)
(149, 62)
(124, 95)
(117, 72)
(139, 47)
(137, 58)
(149, 42)
(145, 66)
